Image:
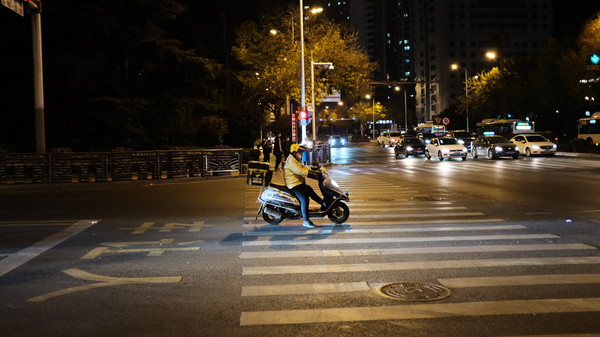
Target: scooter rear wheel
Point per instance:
(339, 214)
(271, 219)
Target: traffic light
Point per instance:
(594, 59)
(303, 117)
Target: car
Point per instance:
(445, 147)
(409, 146)
(336, 141)
(426, 137)
(464, 137)
(494, 147)
(389, 138)
(534, 144)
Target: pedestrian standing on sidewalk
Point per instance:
(278, 151)
(267, 150)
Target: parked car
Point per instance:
(465, 138)
(426, 137)
(534, 144)
(336, 141)
(389, 138)
(409, 146)
(445, 147)
(494, 147)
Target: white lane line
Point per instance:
(309, 288)
(344, 230)
(416, 250)
(420, 311)
(37, 223)
(370, 223)
(388, 209)
(521, 280)
(419, 265)
(500, 281)
(414, 215)
(23, 256)
(302, 241)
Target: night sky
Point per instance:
(16, 96)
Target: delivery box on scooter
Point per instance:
(259, 173)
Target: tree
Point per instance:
(118, 75)
(270, 55)
(365, 111)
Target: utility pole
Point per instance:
(38, 77)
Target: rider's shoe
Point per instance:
(309, 224)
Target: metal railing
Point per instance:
(90, 167)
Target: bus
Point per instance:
(504, 127)
(589, 128)
(430, 127)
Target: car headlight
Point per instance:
(464, 149)
(535, 147)
(498, 149)
(554, 146)
(461, 142)
(343, 142)
(409, 148)
(445, 150)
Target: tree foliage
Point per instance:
(117, 74)
(550, 86)
(270, 53)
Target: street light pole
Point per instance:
(455, 67)
(302, 80)
(405, 113)
(467, 96)
(373, 127)
(312, 95)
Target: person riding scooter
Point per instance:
(294, 174)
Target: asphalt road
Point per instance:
(514, 242)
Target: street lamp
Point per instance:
(397, 88)
(455, 67)
(302, 77)
(373, 127)
(312, 95)
(491, 55)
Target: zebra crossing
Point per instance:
(417, 166)
(391, 233)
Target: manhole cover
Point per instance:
(428, 198)
(414, 291)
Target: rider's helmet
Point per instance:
(297, 148)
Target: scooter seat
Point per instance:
(282, 188)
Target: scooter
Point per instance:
(279, 203)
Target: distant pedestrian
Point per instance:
(267, 150)
(279, 150)
(286, 150)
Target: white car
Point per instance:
(534, 144)
(389, 138)
(445, 147)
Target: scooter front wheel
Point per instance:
(339, 214)
(271, 219)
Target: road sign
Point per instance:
(437, 120)
(446, 121)
(14, 5)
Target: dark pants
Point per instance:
(278, 159)
(303, 192)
